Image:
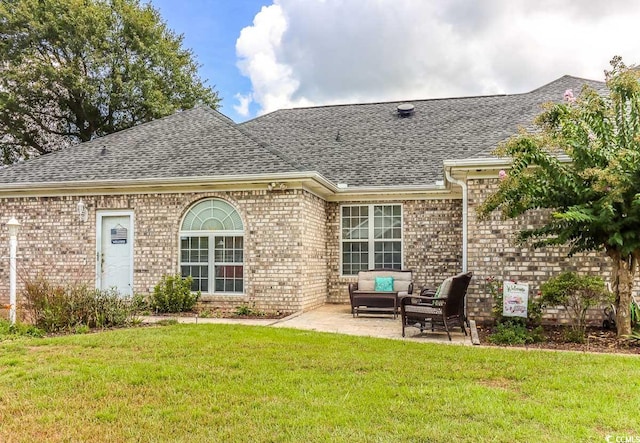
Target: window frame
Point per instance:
(211, 264)
(370, 240)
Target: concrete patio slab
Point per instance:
(336, 318)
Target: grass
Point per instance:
(255, 384)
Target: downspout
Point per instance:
(465, 206)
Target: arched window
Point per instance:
(212, 247)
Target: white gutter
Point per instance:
(465, 207)
(88, 184)
(476, 162)
(160, 181)
(495, 162)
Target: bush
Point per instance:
(139, 303)
(55, 308)
(576, 293)
(515, 333)
(173, 294)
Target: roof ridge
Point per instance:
(387, 102)
(261, 143)
(565, 76)
(461, 97)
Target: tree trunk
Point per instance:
(623, 274)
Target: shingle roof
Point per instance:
(359, 144)
(199, 142)
(369, 145)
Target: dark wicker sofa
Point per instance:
(364, 297)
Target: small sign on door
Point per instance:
(119, 235)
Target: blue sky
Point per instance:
(272, 54)
(211, 28)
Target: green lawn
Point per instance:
(237, 383)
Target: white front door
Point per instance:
(115, 251)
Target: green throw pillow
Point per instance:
(384, 284)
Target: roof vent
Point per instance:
(405, 109)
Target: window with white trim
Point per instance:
(212, 247)
(371, 237)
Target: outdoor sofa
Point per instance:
(379, 291)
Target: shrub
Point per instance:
(70, 308)
(173, 294)
(576, 293)
(515, 333)
(139, 303)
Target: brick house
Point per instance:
(283, 210)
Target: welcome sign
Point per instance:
(515, 297)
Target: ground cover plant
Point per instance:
(240, 383)
(10, 331)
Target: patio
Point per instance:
(337, 318)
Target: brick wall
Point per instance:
(292, 245)
(432, 241)
(284, 243)
(313, 252)
(493, 252)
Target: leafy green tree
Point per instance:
(73, 70)
(582, 166)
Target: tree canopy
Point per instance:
(582, 163)
(73, 70)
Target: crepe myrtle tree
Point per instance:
(582, 165)
(73, 70)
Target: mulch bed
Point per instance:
(598, 340)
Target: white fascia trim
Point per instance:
(327, 187)
(489, 162)
(169, 181)
(466, 163)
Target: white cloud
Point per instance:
(244, 100)
(301, 53)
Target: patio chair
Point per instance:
(442, 309)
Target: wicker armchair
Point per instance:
(443, 312)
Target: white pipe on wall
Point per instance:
(465, 206)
